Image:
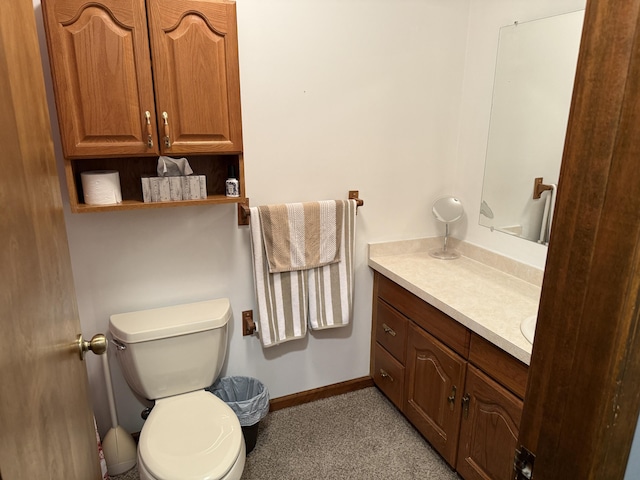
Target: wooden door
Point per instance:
(46, 424)
(489, 429)
(583, 395)
(434, 380)
(195, 61)
(101, 68)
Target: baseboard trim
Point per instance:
(319, 393)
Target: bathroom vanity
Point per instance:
(447, 350)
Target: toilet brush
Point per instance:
(118, 446)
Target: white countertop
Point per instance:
(484, 299)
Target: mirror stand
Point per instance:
(445, 253)
(446, 210)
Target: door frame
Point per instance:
(583, 394)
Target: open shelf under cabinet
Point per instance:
(131, 170)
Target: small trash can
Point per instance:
(249, 399)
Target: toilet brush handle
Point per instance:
(110, 398)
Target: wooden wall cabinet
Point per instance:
(460, 391)
(135, 80)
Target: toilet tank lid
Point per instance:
(156, 323)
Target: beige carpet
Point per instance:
(359, 435)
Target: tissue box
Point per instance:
(171, 189)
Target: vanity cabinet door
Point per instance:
(194, 46)
(489, 429)
(434, 381)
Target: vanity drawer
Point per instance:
(497, 363)
(391, 330)
(440, 325)
(388, 375)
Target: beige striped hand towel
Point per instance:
(331, 286)
(282, 297)
(300, 236)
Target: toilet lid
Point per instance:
(193, 436)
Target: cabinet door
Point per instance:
(101, 72)
(197, 85)
(434, 381)
(489, 429)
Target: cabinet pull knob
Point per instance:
(384, 374)
(388, 329)
(452, 398)
(465, 405)
(147, 115)
(167, 136)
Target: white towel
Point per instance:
(282, 297)
(331, 286)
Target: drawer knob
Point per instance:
(384, 374)
(388, 329)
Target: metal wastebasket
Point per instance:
(249, 399)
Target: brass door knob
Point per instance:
(97, 344)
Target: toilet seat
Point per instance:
(193, 436)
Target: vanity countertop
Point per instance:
(474, 289)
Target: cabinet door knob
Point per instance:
(384, 374)
(388, 329)
(452, 398)
(167, 136)
(147, 115)
(465, 405)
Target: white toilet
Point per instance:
(171, 355)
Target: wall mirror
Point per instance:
(533, 84)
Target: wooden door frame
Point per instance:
(583, 395)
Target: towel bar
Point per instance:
(244, 213)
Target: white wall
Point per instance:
(336, 96)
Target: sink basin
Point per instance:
(528, 327)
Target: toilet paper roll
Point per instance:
(101, 187)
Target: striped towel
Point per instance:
(300, 236)
(282, 297)
(321, 296)
(331, 286)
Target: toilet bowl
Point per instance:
(170, 355)
(191, 436)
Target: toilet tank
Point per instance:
(172, 350)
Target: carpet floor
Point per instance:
(358, 435)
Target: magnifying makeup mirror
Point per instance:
(447, 210)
